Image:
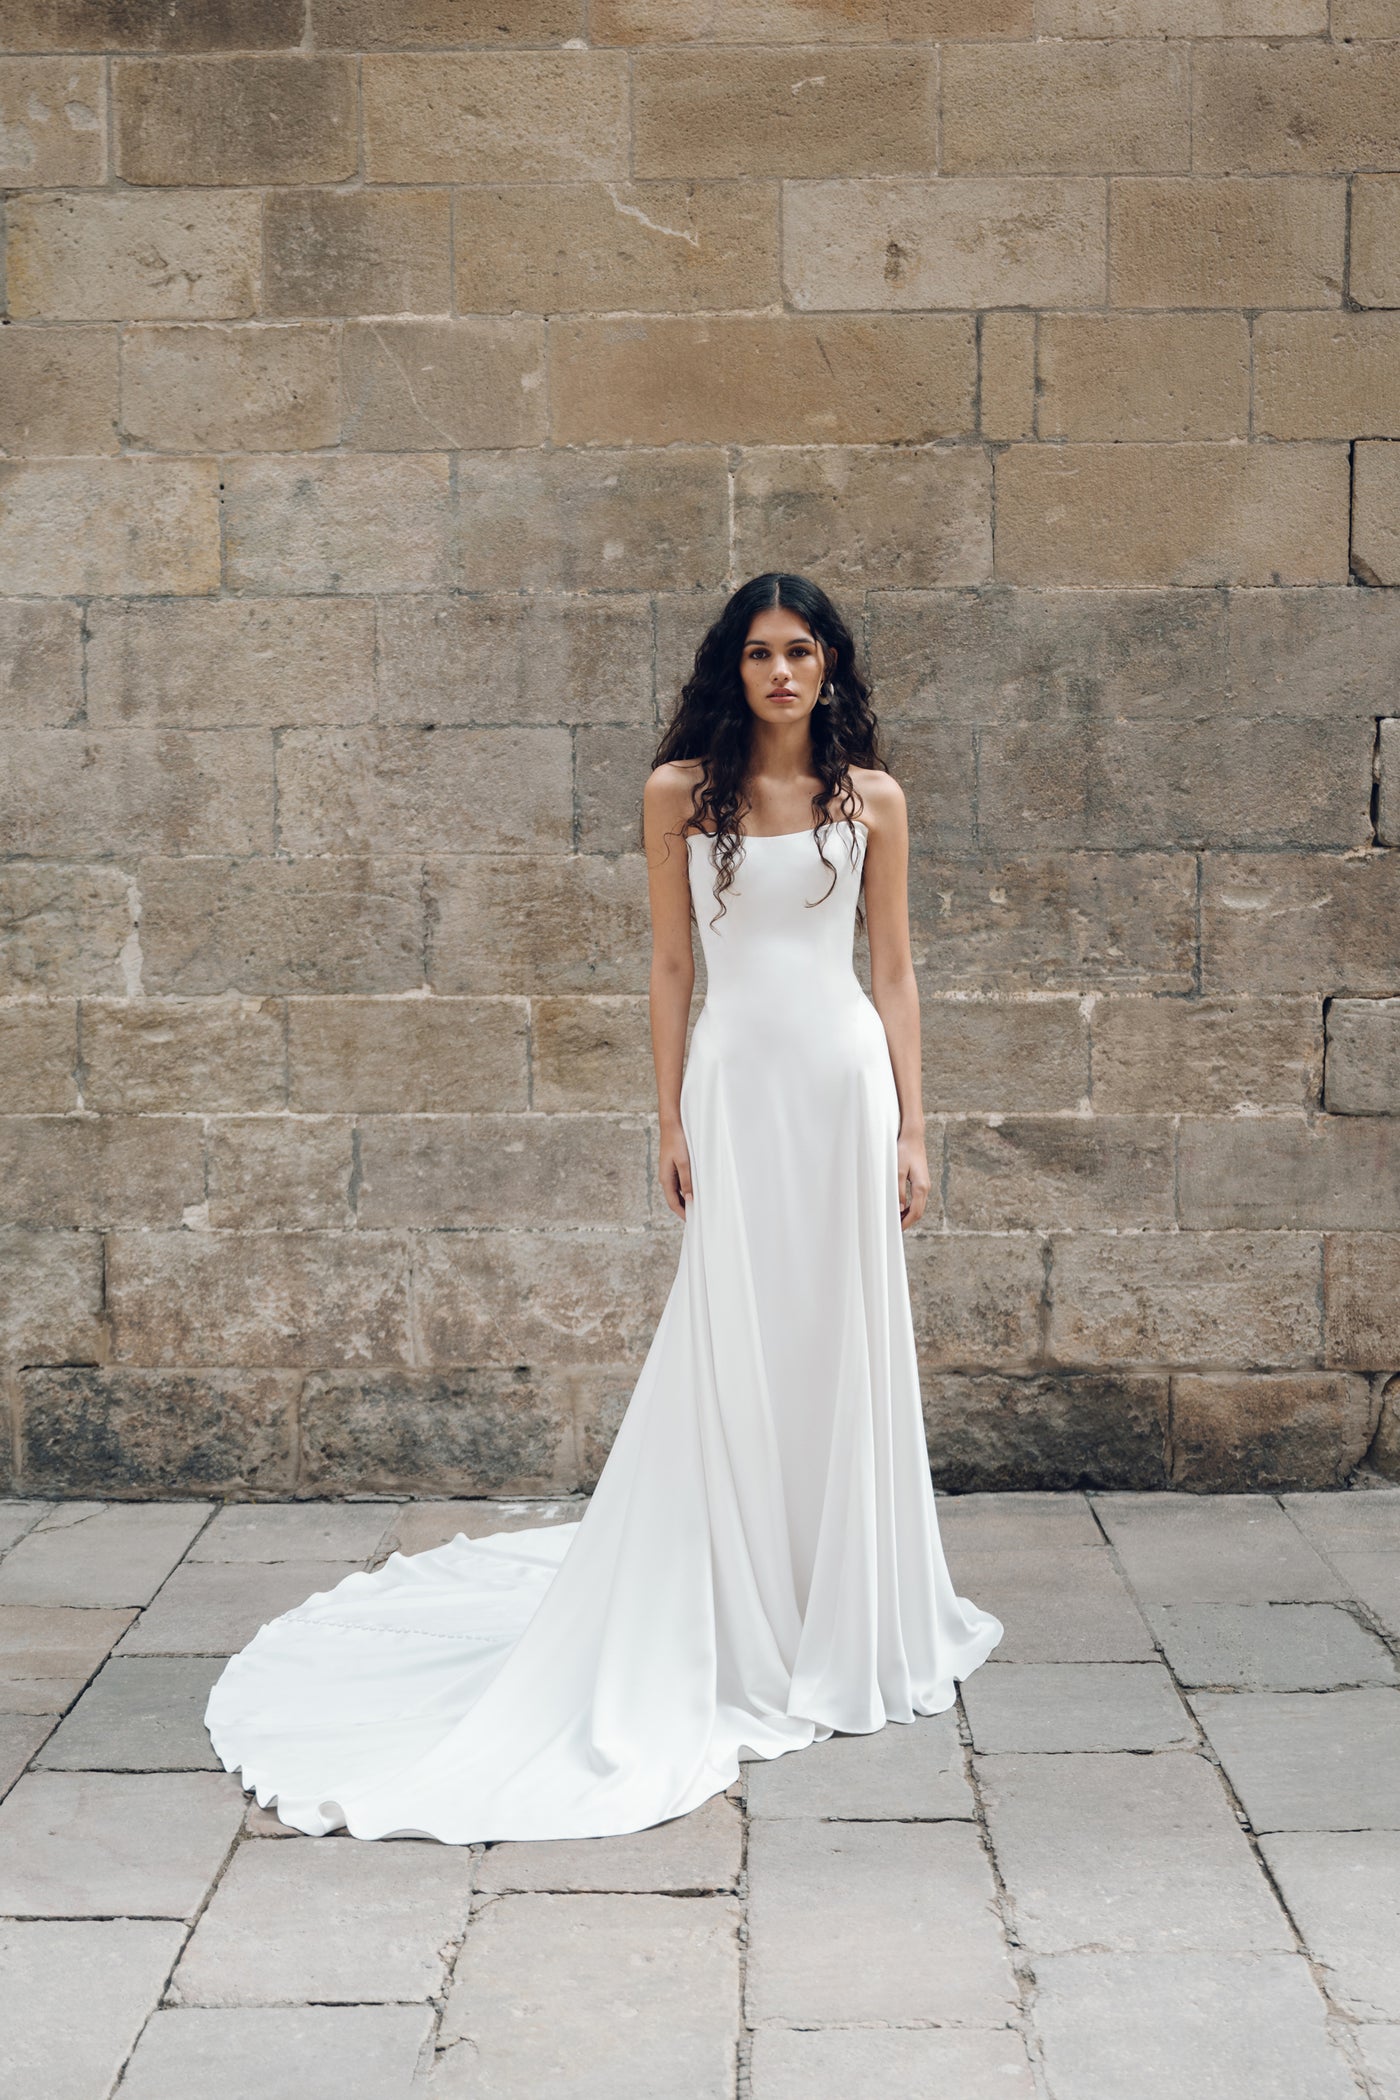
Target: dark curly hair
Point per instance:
(713, 725)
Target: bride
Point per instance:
(760, 1564)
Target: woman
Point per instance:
(760, 1563)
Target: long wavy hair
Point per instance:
(713, 724)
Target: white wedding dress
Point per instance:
(760, 1564)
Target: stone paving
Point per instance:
(1154, 1853)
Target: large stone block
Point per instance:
(663, 247)
(1002, 1054)
(997, 1434)
(830, 2063)
(691, 1853)
(964, 241)
(150, 25)
(1221, 1549)
(1375, 544)
(508, 659)
(976, 1298)
(370, 25)
(918, 515)
(124, 256)
(87, 1555)
(768, 111)
(1229, 1430)
(1153, 1056)
(58, 391)
(1180, 17)
(495, 116)
(1222, 242)
(38, 1058)
(104, 1844)
(1361, 1285)
(1332, 1172)
(260, 1300)
(281, 663)
(1186, 1298)
(1363, 1057)
(1270, 1647)
(1055, 921)
(1023, 1173)
(780, 379)
(66, 929)
(406, 790)
(1343, 1887)
(460, 1432)
(591, 1054)
(41, 663)
(407, 1056)
(157, 1432)
(79, 792)
(586, 521)
(501, 1298)
(261, 927)
(358, 252)
(914, 1772)
(1326, 375)
(68, 1172)
(487, 1170)
(1294, 922)
(323, 2049)
(539, 926)
(234, 120)
(1174, 514)
(1388, 790)
(284, 1173)
(102, 527)
(51, 1297)
(1296, 108)
(478, 381)
(53, 120)
(213, 388)
(1299, 1762)
(123, 1963)
(1053, 107)
(1374, 278)
(1132, 376)
(1313, 652)
(353, 522)
(1006, 388)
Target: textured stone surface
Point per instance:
(109, 1844)
(691, 1854)
(123, 1962)
(1344, 1891)
(913, 1772)
(1075, 1706)
(144, 1714)
(1299, 1762)
(1073, 1607)
(85, 1555)
(1276, 1432)
(1228, 1549)
(990, 1431)
(1269, 1647)
(320, 2052)
(157, 1432)
(798, 2064)
(212, 1608)
(48, 1652)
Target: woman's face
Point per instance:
(782, 666)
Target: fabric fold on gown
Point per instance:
(760, 1563)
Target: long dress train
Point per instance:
(760, 1564)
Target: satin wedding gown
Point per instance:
(760, 1564)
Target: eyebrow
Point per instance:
(758, 643)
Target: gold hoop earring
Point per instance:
(827, 694)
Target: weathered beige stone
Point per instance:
(1192, 513)
(511, 659)
(58, 391)
(784, 112)
(1226, 242)
(123, 256)
(1327, 375)
(976, 1298)
(158, 1432)
(1055, 921)
(1125, 376)
(1066, 1173)
(591, 1054)
(496, 116)
(401, 789)
(369, 25)
(1374, 276)
(357, 522)
(358, 252)
(1000, 1054)
(1189, 1298)
(41, 664)
(97, 527)
(1363, 18)
(1361, 1288)
(456, 383)
(213, 388)
(961, 18)
(67, 1172)
(538, 926)
(1363, 1057)
(1181, 17)
(611, 764)
(664, 247)
(1289, 922)
(1006, 377)
(280, 1173)
(150, 25)
(996, 1434)
(580, 521)
(78, 791)
(207, 1056)
(1064, 108)
(234, 120)
(1375, 535)
(1282, 1171)
(1275, 1432)
(964, 241)
(1296, 107)
(1168, 1056)
(490, 1170)
(1313, 652)
(51, 1302)
(281, 663)
(259, 1299)
(53, 119)
(416, 1056)
(48, 1653)
(857, 515)
(65, 929)
(262, 927)
(739, 21)
(462, 1432)
(581, 1299)
(38, 1058)
(781, 379)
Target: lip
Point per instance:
(786, 694)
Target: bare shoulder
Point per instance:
(882, 804)
(667, 795)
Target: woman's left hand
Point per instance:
(914, 1180)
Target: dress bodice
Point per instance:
(786, 936)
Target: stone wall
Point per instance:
(392, 390)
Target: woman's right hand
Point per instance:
(675, 1168)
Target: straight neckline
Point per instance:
(808, 832)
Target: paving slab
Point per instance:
(874, 1922)
(1066, 1606)
(314, 1531)
(1128, 1853)
(215, 1607)
(114, 1844)
(701, 1851)
(1217, 1549)
(1372, 1576)
(908, 1771)
(601, 1997)
(1019, 1523)
(1343, 1890)
(1075, 1706)
(1164, 2026)
(890, 2064)
(335, 1921)
(1379, 2050)
(139, 1714)
(1270, 1647)
(304, 2052)
(1309, 1760)
(420, 1526)
(17, 1517)
(1368, 1517)
(120, 1554)
(119, 1967)
(48, 1653)
(21, 1735)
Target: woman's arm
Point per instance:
(894, 989)
(665, 803)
